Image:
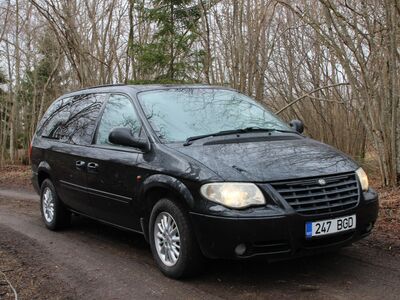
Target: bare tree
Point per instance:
(332, 63)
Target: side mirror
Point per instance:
(297, 125)
(124, 137)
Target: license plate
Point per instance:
(331, 226)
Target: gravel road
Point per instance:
(94, 261)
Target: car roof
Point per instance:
(139, 88)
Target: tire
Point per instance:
(190, 259)
(54, 213)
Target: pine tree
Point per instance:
(170, 57)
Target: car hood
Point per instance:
(269, 160)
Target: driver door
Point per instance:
(112, 169)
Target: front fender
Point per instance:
(167, 182)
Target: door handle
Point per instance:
(80, 164)
(92, 167)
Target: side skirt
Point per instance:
(108, 223)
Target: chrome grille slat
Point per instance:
(312, 181)
(326, 200)
(321, 194)
(330, 206)
(341, 192)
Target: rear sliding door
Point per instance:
(68, 136)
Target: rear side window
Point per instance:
(72, 120)
(83, 113)
(119, 112)
(54, 118)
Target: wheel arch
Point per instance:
(44, 172)
(160, 186)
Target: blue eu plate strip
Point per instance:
(309, 229)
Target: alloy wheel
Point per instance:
(48, 205)
(167, 239)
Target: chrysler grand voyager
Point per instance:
(200, 171)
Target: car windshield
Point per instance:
(178, 114)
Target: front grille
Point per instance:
(309, 197)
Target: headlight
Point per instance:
(233, 194)
(363, 178)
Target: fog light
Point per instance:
(240, 249)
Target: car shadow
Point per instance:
(307, 275)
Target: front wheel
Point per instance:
(172, 240)
(54, 214)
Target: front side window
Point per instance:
(177, 114)
(118, 113)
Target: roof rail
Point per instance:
(100, 86)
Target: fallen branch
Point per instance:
(308, 94)
(10, 285)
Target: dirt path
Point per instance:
(93, 261)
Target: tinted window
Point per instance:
(177, 114)
(83, 113)
(54, 118)
(119, 112)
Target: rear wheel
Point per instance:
(172, 240)
(54, 214)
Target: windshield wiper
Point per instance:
(256, 128)
(190, 139)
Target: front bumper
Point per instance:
(279, 234)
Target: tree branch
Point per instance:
(10, 285)
(308, 94)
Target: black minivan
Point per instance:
(200, 171)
